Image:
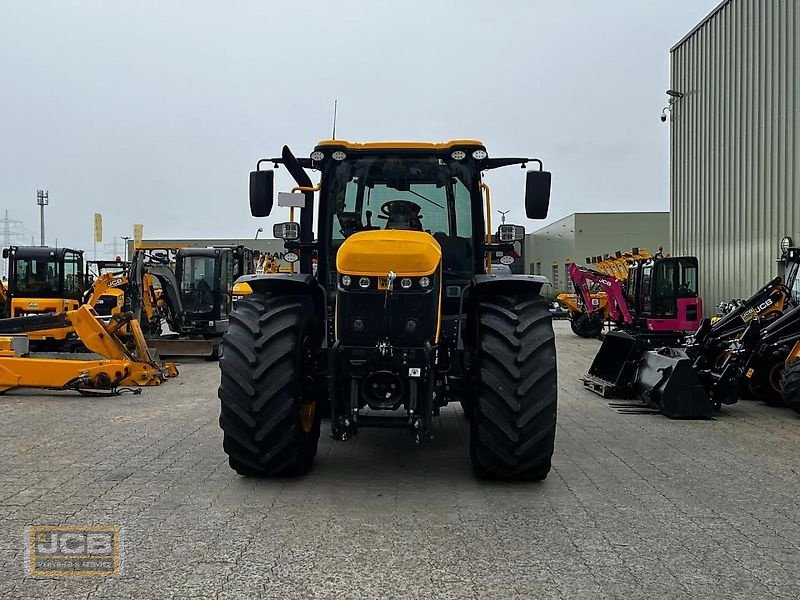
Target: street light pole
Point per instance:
(42, 199)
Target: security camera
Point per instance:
(663, 117)
(664, 113)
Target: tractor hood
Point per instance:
(410, 253)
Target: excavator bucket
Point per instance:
(667, 381)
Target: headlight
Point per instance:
(363, 282)
(424, 282)
(405, 283)
(479, 154)
(317, 156)
(346, 281)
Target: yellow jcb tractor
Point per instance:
(401, 315)
(44, 281)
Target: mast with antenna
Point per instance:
(335, 102)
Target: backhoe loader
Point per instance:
(744, 351)
(113, 364)
(402, 314)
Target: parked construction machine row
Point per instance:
(751, 351)
(193, 299)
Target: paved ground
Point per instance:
(636, 507)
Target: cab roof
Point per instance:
(421, 146)
(40, 252)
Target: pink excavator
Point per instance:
(660, 294)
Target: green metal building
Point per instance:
(735, 143)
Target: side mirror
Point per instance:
(262, 191)
(537, 194)
(510, 233)
(5, 252)
(286, 231)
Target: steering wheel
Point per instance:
(395, 207)
(401, 214)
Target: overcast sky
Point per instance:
(155, 112)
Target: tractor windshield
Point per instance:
(423, 194)
(197, 284)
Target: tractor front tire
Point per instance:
(270, 421)
(790, 385)
(514, 414)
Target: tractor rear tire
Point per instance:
(514, 414)
(270, 427)
(790, 385)
(586, 325)
(765, 385)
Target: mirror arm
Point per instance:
(497, 246)
(297, 245)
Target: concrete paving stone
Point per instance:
(635, 507)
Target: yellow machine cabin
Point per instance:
(44, 281)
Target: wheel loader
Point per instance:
(401, 315)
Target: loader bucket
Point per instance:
(614, 367)
(666, 380)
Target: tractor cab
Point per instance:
(43, 280)
(663, 293)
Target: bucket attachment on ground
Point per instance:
(614, 367)
(629, 366)
(667, 381)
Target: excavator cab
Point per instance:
(205, 276)
(43, 280)
(663, 293)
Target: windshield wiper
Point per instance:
(428, 199)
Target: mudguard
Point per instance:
(288, 283)
(504, 282)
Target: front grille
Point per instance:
(365, 318)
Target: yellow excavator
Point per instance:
(112, 365)
(110, 294)
(44, 281)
